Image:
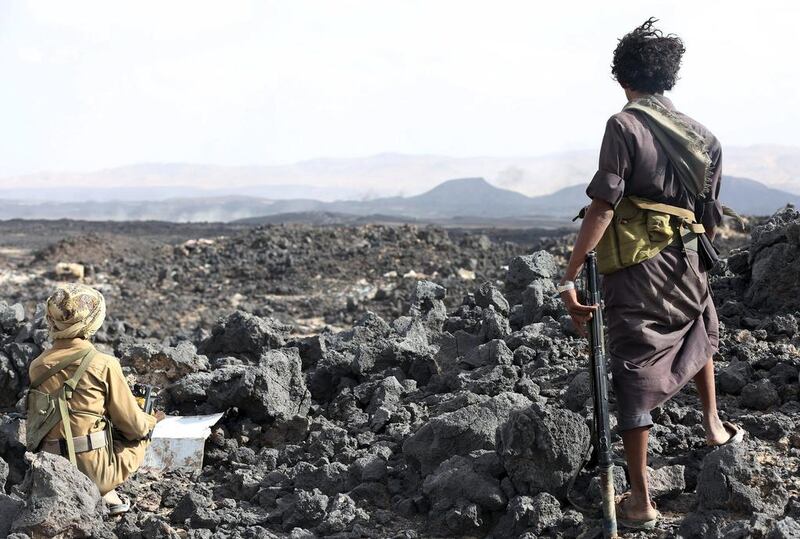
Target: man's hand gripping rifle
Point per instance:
(146, 396)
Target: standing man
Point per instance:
(96, 395)
(662, 324)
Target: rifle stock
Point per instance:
(598, 361)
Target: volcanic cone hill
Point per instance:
(464, 413)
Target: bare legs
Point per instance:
(638, 506)
(715, 432)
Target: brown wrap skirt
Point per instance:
(662, 329)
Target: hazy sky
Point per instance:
(88, 85)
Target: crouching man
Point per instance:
(77, 394)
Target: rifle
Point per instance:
(145, 396)
(602, 433)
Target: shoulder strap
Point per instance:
(63, 411)
(63, 364)
(72, 383)
(63, 407)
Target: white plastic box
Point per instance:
(178, 442)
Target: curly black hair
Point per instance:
(646, 60)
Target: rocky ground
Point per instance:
(429, 404)
(164, 281)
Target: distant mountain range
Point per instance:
(456, 201)
(383, 175)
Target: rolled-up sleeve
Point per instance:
(614, 165)
(711, 207)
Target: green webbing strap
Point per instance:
(64, 411)
(72, 383)
(63, 364)
(66, 394)
(677, 211)
(687, 216)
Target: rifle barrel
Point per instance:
(599, 374)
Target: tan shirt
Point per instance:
(102, 391)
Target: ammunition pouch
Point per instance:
(640, 229)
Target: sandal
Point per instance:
(737, 434)
(117, 504)
(634, 524)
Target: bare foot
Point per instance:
(635, 508)
(716, 433)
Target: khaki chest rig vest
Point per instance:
(640, 229)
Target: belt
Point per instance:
(82, 444)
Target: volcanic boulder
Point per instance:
(153, 526)
(329, 372)
(785, 529)
(523, 270)
(541, 448)
(158, 364)
(12, 447)
(493, 325)
(461, 431)
(539, 299)
(10, 381)
(464, 492)
(734, 377)
(667, 480)
(494, 352)
(341, 513)
(535, 336)
(11, 316)
(355, 353)
(488, 295)
(488, 380)
(579, 391)
(732, 479)
(10, 506)
(387, 395)
(760, 395)
(412, 350)
(244, 333)
(774, 255)
(58, 501)
(427, 303)
(188, 506)
(528, 514)
(21, 341)
(275, 389)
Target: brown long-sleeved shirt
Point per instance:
(662, 324)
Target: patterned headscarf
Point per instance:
(75, 311)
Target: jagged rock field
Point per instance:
(396, 382)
